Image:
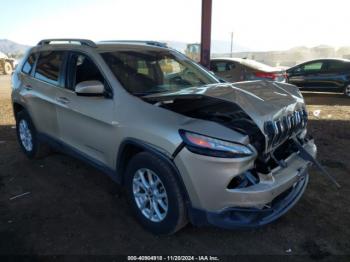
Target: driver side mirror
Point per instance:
(90, 88)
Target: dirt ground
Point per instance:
(71, 208)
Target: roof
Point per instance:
(249, 63)
(111, 45)
(322, 59)
(234, 59)
(327, 59)
(102, 45)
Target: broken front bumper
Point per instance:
(207, 179)
(252, 217)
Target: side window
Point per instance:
(142, 67)
(28, 65)
(312, 67)
(48, 66)
(82, 68)
(219, 67)
(213, 67)
(230, 66)
(296, 70)
(336, 66)
(170, 66)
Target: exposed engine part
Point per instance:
(222, 112)
(279, 132)
(248, 178)
(265, 163)
(281, 162)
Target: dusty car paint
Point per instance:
(98, 126)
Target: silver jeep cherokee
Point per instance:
(185, 146)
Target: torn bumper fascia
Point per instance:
(206, 179)
(236, 217)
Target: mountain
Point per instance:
(9, 47)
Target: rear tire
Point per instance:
(8, 68)
(157, 203)
(27, 137)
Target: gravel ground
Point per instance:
(70, 208)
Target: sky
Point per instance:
(258, 25)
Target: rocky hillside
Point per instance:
(12, 48)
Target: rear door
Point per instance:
(86, 123)
(335, 75)
(40, 85)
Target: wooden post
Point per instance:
(206, 32)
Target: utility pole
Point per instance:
(231, 44)
(206, 32)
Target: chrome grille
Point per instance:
(279, 130)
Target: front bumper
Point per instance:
(252, 217)
(206, 180)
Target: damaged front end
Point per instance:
(252, 189)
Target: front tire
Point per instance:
(27, 137)
(154, 194)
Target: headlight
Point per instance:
(209, 146)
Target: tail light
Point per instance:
(271, 76)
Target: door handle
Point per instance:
(63, 100)
(28, 87)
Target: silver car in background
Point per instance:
(242, 69)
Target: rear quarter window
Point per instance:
(29, 64)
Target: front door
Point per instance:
(313, 75)
(86, 123)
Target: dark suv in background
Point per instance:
(322, 75)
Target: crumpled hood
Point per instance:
(261, 100)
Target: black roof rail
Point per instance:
(85, 42)
(154, 43)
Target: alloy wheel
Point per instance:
(25, 135)
(150, 195)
